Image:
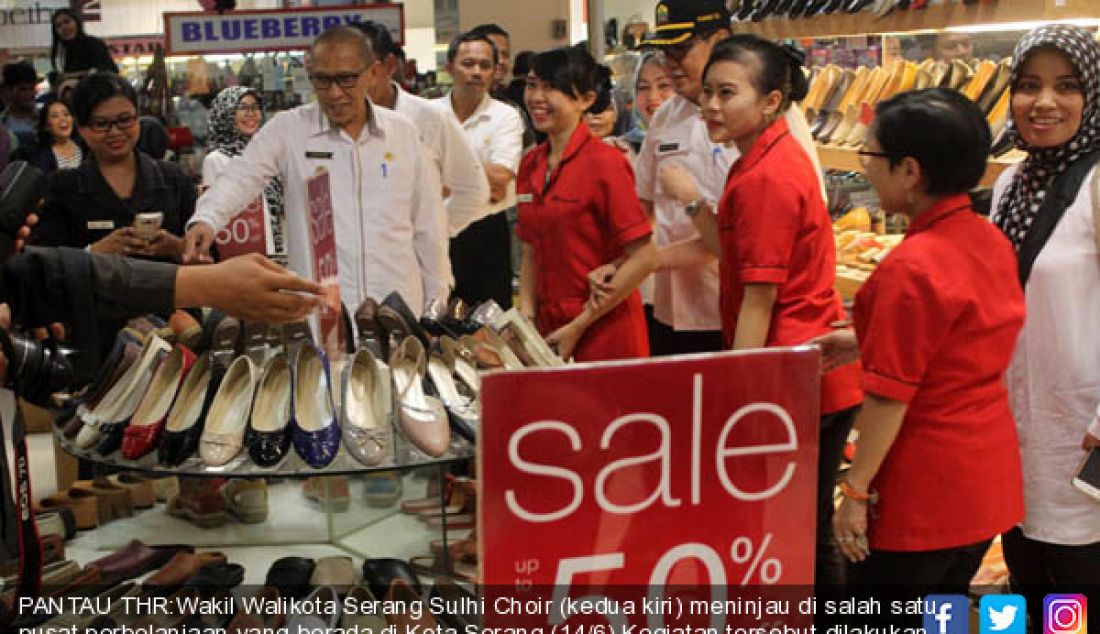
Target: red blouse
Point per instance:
(937, 323)
(774, 229)
(582, 220)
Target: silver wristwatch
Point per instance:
(693, 208)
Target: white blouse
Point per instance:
(1054, 378)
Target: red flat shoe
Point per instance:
(143, 433)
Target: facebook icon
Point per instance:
(946, 614)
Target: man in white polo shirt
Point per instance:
(465, 187)
(388, 213)
(481, 255)
(685, 294)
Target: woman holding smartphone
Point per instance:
(96, 205)
(1055, 372)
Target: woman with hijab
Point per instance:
(1054, 378)
(73, 50)
(235, 116)
(652, 87)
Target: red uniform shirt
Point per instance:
(774, 229)
(937, 323)
(589, 212)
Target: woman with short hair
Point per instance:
(936, 475)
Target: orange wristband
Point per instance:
(851, 493)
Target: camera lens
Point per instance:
(37, 369)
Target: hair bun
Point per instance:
(800, 85)
(603, 90)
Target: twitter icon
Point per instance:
(1003, 614)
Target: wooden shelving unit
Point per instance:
(845, 158)
(934, 18)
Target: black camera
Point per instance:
(36, 369)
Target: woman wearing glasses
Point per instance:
(937, 474)
(94, 206)
(235, 116)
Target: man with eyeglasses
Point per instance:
(481, 255)
(388, 213)
(465, 187)
(685, 306)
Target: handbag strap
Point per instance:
(30, 547)
(1059, 197)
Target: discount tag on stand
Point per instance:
(245, 233)
(322, 237)
(652, 494)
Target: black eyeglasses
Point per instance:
(343, 80)
(865, 154)
(122, 122)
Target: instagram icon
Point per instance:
(1065, 614)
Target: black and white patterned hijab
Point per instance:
(1024, 196)
(225, 136)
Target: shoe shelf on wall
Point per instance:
(403, 457)
(938, 17)
(933, 18)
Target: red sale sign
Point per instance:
(245, 233)
(322, 236)
(633, 482)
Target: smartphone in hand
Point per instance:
(146, 225)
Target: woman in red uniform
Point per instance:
(774, 237)
(578, 210)
(937, 323)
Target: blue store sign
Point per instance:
(278, 30)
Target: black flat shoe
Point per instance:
(217, 578)
(110, 439)
(186, 420)
(434, 320)
(268, 434)
(291, 576)
(380, 573)
(395, 303)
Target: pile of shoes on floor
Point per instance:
(840, 103)
(226, 391)
(201, 590)
(88, 504)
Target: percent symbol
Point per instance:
(744, 551)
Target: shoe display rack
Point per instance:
(405, 457)
(274, 444)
